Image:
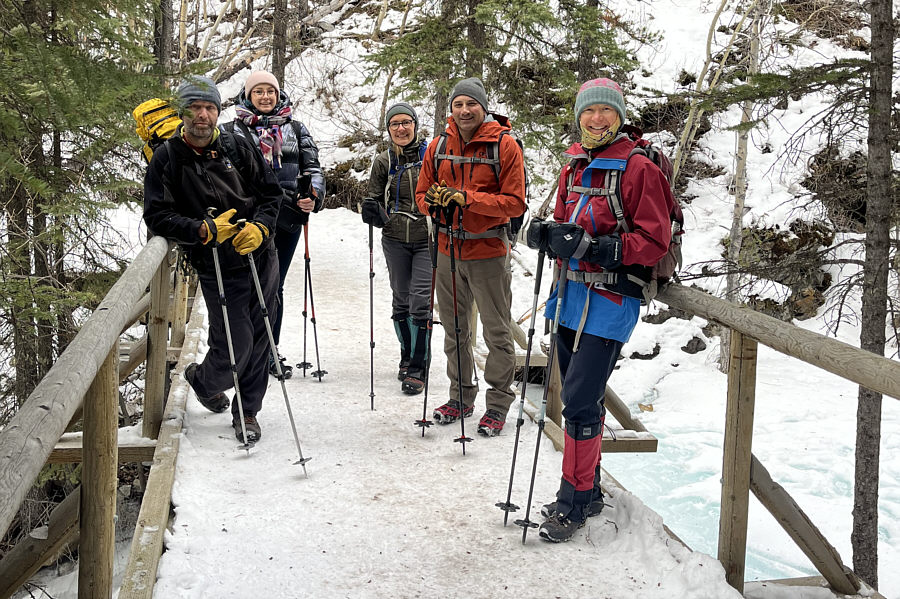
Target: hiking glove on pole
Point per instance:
(568, 240)
(442, 195)
(249, 238)
(373, 213)
(220, 228)
(538, 237)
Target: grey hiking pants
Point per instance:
(485, 283)
(409, 268)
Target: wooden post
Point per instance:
(554, 393)
(98, 490)
(179, 306)
(736, 460)
(157, 342)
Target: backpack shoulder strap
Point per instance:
(439, 152)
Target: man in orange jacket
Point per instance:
(472, 181)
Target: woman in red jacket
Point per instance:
(601, 302)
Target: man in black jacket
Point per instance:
(191, 173)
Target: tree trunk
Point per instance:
(585, 70)
(874, 303)
(248, 14)
(163, 34)
(20, 256)
(279, 39)
(448, 15)
(732, 278)
(477, 42)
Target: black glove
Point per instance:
(537, 235)
(568, 240)
(373, 213)
(605, 251)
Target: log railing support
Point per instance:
(736, 460)
(179, 306)
(98, 489)
(157, 343)
(802, 531)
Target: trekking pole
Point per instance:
(432, 250)
(312, 306)
(508, 507)
(462, 408)
(265, 312)
(305, 364)
(560, 296)
(371, 322)
(223, 302)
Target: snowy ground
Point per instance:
(386, 512)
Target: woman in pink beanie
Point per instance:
(264, 116)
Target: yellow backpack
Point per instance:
(157, 120)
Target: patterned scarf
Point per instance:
(590, 141)
(268, 130)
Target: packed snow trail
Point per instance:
(386, 512)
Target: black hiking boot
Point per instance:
(286, 368)
(449, 412)
(491, 423)
(218, 403)
(414, 383)
(593, 509)
(254, 432)
(559, 528)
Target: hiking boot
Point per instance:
(402, 370)
(593, 509)
(559, 528)
(218, 403)
(286, 368)
(491, 423)
(254, 432)
(413, 384)
(449, 412)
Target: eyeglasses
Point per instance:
(264, 92)
(397, 124)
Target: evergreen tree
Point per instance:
(72, 73)
(519, 52)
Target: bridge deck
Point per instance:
(385, 511)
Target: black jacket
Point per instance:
(181, 185)
(299, 156)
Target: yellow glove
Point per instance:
(249, 238)
(220, 228)
(431, 195)
(449, 195)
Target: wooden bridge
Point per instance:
(83, 385)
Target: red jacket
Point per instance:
(646, 199)
(489, 204)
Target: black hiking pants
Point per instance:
(248, 333)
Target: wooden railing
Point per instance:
(741, 471)
(87, 374)
(89, 369)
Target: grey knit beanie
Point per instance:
(401, 108)
(472, 87)
(600, 91)
(196, 87)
